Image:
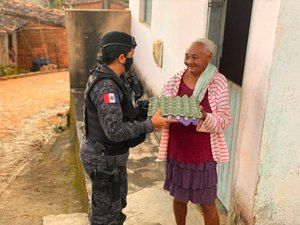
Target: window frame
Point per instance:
(146, 11)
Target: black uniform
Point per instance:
(112, 125)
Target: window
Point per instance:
(145, 11)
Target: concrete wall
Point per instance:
(253, 106)
(84, 30)
(278, 196)
(176, 25)
(266, 175)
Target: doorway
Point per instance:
(228, 26)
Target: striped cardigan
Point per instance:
(215, 122)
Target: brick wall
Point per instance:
(40, 40)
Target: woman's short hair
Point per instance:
(208, 44)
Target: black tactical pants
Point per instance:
(105, 209)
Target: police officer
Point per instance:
(112, 124)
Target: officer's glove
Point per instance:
(143, 106)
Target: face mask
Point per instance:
(128, 64)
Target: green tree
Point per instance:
(56, 3)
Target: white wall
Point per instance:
(266, 174)
(177, 25)
(253, 104)
(278, 196)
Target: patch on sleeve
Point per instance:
(110, 98)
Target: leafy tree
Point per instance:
(56, 3)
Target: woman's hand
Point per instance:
(160, 122)
(204, 114)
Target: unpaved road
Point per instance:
(37, 165)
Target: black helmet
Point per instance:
(117, 38)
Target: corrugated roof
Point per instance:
(15, 13)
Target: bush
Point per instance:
(56, 4)
(9, 70)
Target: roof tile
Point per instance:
(15, 13)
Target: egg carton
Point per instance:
(184, 109)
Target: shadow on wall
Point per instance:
(148, 92)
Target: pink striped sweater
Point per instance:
(215, 122)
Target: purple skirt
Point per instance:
(195, 182)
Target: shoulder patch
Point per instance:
(110, 98)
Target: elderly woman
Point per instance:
(192, 152)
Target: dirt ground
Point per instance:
(37, 166)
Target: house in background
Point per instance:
(35, 32)
(259, 52)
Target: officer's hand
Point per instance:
(160, 122)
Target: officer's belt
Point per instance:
(112, 150)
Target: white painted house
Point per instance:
(259, 52)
